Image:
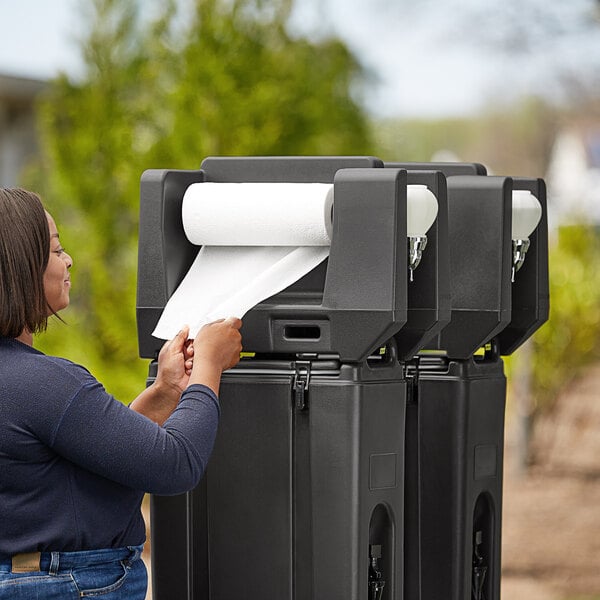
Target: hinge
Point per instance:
(300, 384)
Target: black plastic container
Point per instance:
(455, 433)
(311, 489)
(304, 494)
(456, 401)
(339, 472)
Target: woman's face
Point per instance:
(57, 281)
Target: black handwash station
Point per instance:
(304, 495)
(456, 399)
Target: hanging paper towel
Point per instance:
(257, 239)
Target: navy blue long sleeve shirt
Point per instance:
(75, 463)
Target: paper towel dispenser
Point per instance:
(429, 298)
(530, 291)
(349, 305)
(486, 303)
(449, 169)
(479, 216)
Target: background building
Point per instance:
(18, 136)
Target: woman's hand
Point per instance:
(219, 342)
(216, 348)
(182, 362)
(175, 362)
(159, 400)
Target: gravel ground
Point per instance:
(551, 520)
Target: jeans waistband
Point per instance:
(54, 561)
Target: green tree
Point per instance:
(569, 341)
(154, 94)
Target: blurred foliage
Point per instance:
(231, 80)
(515, 141)
(570, 339)
(157, 93)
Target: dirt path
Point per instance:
(551, 521)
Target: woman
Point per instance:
(74, 462)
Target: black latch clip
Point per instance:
(300, 384)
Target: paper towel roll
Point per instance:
(258, 214)
(257, 239)
(526, 214)
(421, 209)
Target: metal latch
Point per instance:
(300, 384)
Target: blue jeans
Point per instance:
(110, 574)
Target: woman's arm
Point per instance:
(104, 436)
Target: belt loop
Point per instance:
(54, 563)
(133, 556)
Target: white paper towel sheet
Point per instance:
(257, 239)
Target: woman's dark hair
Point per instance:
(24, 254)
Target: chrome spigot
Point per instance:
(416, 245)
(519, 250)
(376, 581)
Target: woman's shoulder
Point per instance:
(23, 360)
(37, 388)
(68, 368)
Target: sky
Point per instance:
(425, 57)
